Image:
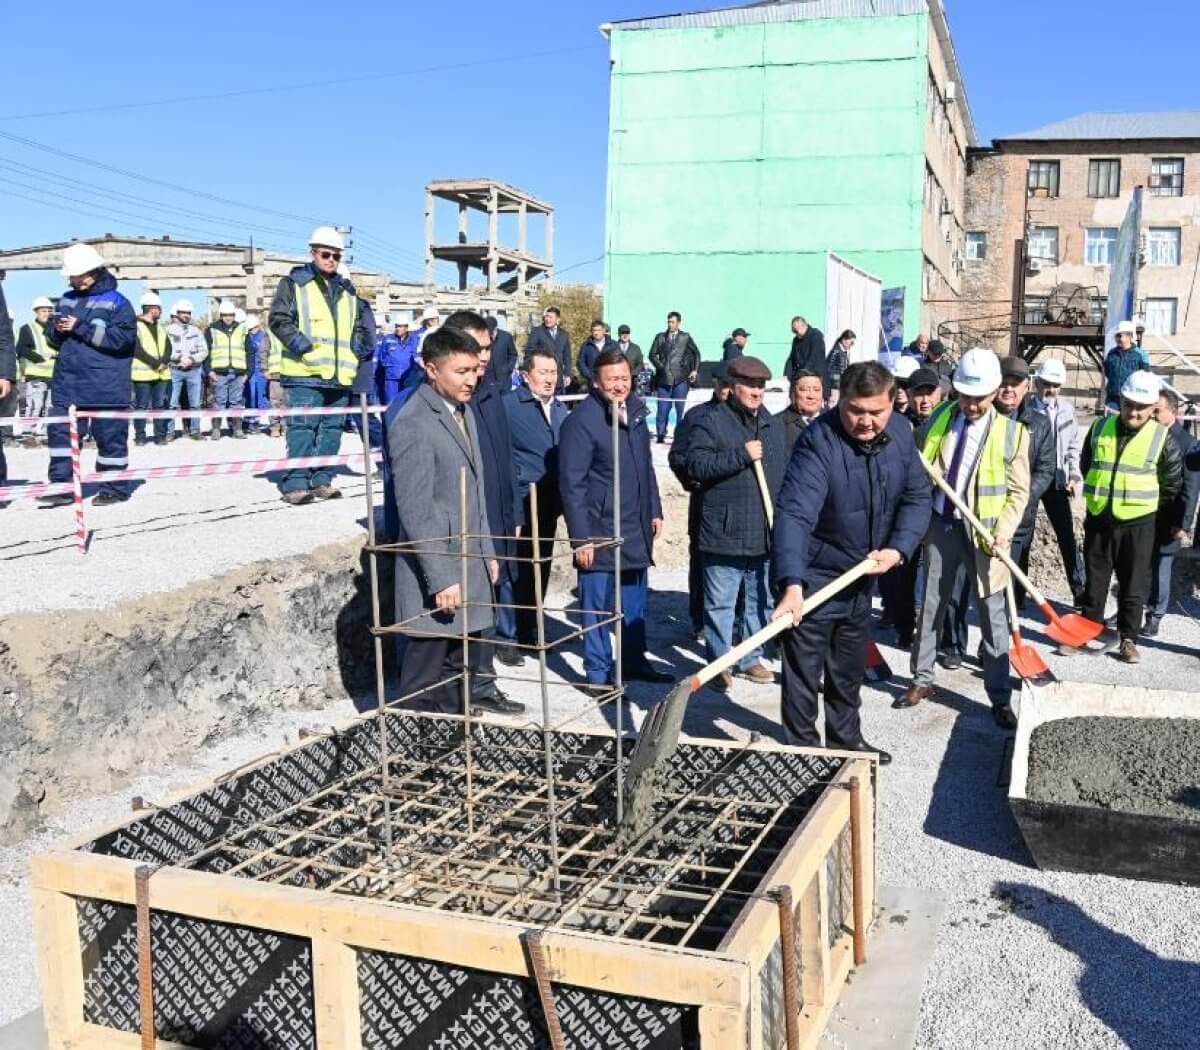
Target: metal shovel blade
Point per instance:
(1028, 662)
(1071, 629)
(656, 742)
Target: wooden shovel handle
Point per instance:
(766, 494)
(780, 624)
(980, 528)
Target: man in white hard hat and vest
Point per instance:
(94, 332)
(151, 369)
(33, 347)
(227, 367)
(984, 457)
(1132, 473)
(316, 317)
(188, 354)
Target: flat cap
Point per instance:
(1014, 368)
(740, 331)
(922, 378)
(749, 368)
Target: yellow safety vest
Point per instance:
(331, 334)
(154, 343)
(275, 354)
(43, 370)
(999, 448)
(228, 349)
(1131, 482)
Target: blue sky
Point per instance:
(516, 91)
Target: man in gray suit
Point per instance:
(430, 442)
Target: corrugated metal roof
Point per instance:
(775, 11)
(1181, 124)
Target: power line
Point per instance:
(333, 82)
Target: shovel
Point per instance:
(766, 494)
(659, 735)
(1072, 629)
(1025, 659)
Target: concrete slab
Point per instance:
(881, 1003)
(25, 1033)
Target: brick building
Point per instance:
(1068, 186)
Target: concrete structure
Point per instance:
(490, 257)
(746, 143)
(1066, 188)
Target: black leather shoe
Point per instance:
(107, 499)
(885, 757)
(594, 689)
(951, 661)
(1151, 626)
(648, 674)
(498, 704)
(510, 656)
(61, 499)
(1004, 716)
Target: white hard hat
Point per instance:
(397, 319)
(1126, 328)
(226, 307)
(42, 303)
(905, 367)
(183, 306)
(327, 237)
(1142, 388)
(252, 321)
(149, 299)
(239, 315)
(430, 313)
(79, 259)
(978, 373)
(1052, 370)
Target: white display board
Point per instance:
(854, 300)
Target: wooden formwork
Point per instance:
(735, 997)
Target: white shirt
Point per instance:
(545, 403)
(976, 432)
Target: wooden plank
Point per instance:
(814, 957)
(724, 1028)
(60, 964)
(335, 995)
(814, 1018)
(96, 1037)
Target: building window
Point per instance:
(1161, 315)
(1100, 246)
(1043, 244)
(1043, 178)
(1162, 245)
(1104, 178)
(976, 246)
(1166, 177)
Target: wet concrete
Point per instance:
(1148, 766)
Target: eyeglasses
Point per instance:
(323, 253)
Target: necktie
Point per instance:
(956, 461)
(460, 417)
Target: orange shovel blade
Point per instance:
(1071, 629)
(1027, 661)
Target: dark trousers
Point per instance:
(482, 660)
(695, 569)
(309, 436)
(1126, 548)
(668, 397)
(1058, 511)
(427, 664)
(898, 592)
(1160, 578)
(953, 635)
(151, 397)
(549, 510)
(112, 445)
(839, 648)
(596, 595)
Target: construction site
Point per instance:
(223, 824)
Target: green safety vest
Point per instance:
(1131, 482)
(154, 343)
(275, 354)
(41, 370)
(228, 349)
(331, 334)
(999, 448)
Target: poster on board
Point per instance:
(891, 326)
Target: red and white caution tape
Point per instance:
(77, 483)
(190, 413)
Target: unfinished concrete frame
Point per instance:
(491, 258)
(391, 883)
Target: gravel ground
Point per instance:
(1025, 958)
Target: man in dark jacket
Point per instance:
(808, 352)
(550, 336)
(726, 448)
(676, 361)
(504, 356)
(94, 331)
(677, 461)
(586, 478)
(1176, 527)
(1121, 361)
(630, 349)
(535, 419)
(317, 316)
(503, 511)
(8, 374)
(853, 490)
(597, 343)
(807, 400)
(735, 345)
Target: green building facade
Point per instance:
(746, 143)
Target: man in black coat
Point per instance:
(550, 336)
(808, 352)
(853, 489)
(8, 374)
(735, 345)
(504, 356)
(586, 484)
(727, 447)
(676, 361)
(598, 342)
(503, 511)
(807, 400)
